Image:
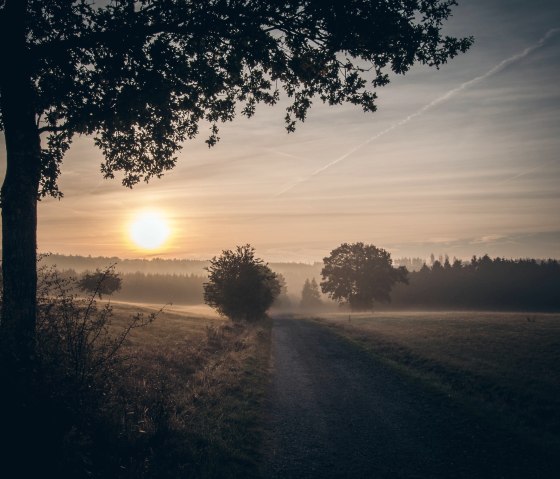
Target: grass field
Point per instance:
(197, 383)
(174, 325)
(505, 366)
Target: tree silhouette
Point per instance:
(282, 301)
(359, 274)
(310, 295)
(240, 286)
(100, 282)
(139, 76)
(484, 284)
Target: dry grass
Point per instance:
(174, 326)
(502, 364)
(198, 383)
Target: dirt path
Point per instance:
(337, 413)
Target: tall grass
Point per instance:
(111, 396)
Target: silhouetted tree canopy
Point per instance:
(359, 274)
(240, 286)
(141, 76)
(100, 282)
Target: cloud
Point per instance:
(441, 99)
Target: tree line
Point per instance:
(138, 287)
(482, 283)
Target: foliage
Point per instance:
(240, 286)
(483, 283)
(76, 334)
(104, 403)
(100, 282)
(480, 284)
(310, 295)
(360, 274)
(73, 384)
(142, 75)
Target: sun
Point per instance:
(149, 230)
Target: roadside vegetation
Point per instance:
(208, 381)
(126, 392)
(503, 366)
(240, 286)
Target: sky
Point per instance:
(463, 160)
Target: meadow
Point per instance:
(502, 366)
(198, 382)
(180, 395)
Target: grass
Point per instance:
(182, 397)
(208, 378)
(505, 366)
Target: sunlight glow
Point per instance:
(149, 230)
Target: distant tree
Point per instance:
(310, 295)
(359, 274)
(437, 267)
(282, 301)
(100, 282)
(240, 286)
(139, 76)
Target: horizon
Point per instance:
(437, 255)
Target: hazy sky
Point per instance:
(464, 160)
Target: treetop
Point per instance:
(141, 76)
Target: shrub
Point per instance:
(100, 282)
(62, 412)
(240, 286)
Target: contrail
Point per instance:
(523, 173)
(498, 68)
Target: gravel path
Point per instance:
(334, 412)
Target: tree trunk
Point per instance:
(19, 191)
(19, 243)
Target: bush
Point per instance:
(99, 406)
(100, 282)
(60, 416)
(240, 286)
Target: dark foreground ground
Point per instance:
(337, 412)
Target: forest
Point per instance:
(483, 283)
